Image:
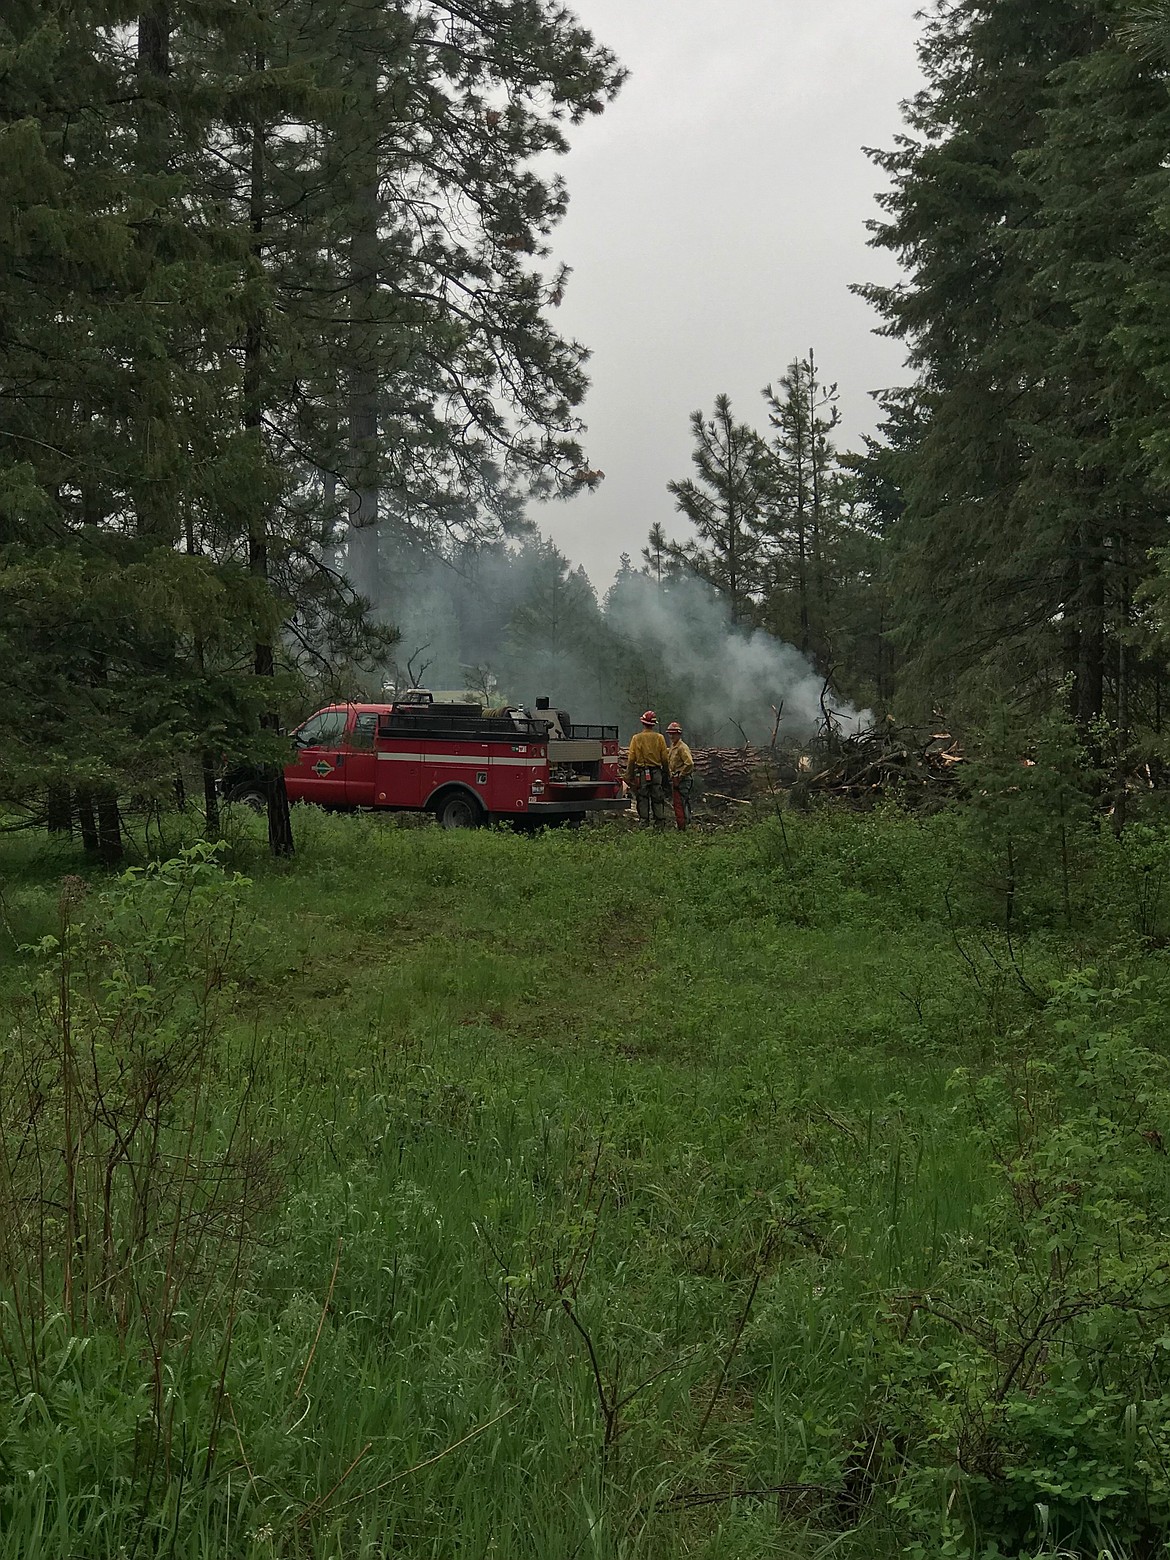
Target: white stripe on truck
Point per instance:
(473, 761)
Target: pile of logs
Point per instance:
(735, 772)
(728, 770)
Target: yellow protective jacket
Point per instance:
(648, 750)
(681, 761)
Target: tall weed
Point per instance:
(131, 1178)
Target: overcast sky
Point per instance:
(717, 217)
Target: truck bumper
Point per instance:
(576, 805)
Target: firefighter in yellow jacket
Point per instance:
(648, 770)
(682, 773)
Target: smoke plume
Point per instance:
(512, 623)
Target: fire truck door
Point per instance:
(317, 772)
(361, 762)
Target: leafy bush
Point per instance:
(130, 1175)
(1030, 1388)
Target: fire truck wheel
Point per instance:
(459, 811)
(249, 794)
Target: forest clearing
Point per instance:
(771, 1161)
(780, 1189)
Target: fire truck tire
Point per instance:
(459, 810)
(248, 794)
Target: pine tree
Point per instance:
(268, 266)
(403, 242)
(656, 553)
(723, 504)
(634, 653)
(1031, 209)
(981, 578)
(413, 385)
(796, 519)
(114, 435)
(552, 634)
(1096, 246)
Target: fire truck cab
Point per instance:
(451, 759)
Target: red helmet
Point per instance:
(649, 719)
(673, 727)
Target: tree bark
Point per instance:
(364, 254)
(801, 493)
(1090, 622)
(154, 40)
(280, 836)
(109, 829)
(59, 811)
(816, 455)
(210, 796)
(1125, 607)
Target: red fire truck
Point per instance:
(450, 759)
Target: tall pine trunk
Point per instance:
(815, 455)
(59, 810)
(280, 836)
(802, 553)
(210, 796)
(365, 563)
(207, 764)
(1089, 683)
(154, 40)
(109, 829)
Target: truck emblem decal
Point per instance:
(481, 777)
(322, 767)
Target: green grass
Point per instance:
(625, 1148)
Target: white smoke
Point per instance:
(724, 682)
(491, 622)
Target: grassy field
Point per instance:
(798, 1190)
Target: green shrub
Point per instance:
(1029, 1388)
(131, 1179)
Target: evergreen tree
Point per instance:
(723, 504)
(796, 520)
(635, 651)
(551, 638)
(662, 559)
(656, 553)
(1096, 245)
(420, 371)
(268, 267)
(1024, 206)
(117, 290)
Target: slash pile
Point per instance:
(864, 763)
(886, 757)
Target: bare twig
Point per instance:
(320, 1323)
(761, 1265)
(428, 1461)
(316, 1507)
